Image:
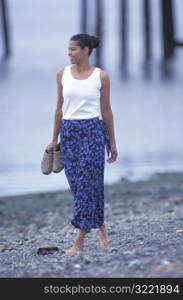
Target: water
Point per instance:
(148, 115)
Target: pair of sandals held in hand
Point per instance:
(52, 161)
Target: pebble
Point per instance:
(47, 250)
(113, 249)
(179, 231)
(77, 266)
(133, 263)
(87, 259)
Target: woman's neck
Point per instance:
(83, 67)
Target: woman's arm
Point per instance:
(58, 113)
(107, 114)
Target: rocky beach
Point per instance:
(145, 227)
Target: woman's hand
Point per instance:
(114, 154)
(52, 147)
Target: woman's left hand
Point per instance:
(113, 153)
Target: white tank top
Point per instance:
(81, 96)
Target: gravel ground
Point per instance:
(145, 226)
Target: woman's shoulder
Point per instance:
(104, 76)
(60, 72)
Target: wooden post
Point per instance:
(147, 37)
(167, 37)
(5, 30)
(147, 31)
(84, 15)
(98, 31)
(168, 29)
(123, 30)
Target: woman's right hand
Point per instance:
(52, 147)
(114, 153)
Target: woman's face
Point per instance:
(76, 53)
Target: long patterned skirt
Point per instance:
(82, 146)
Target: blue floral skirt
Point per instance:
(82, 146)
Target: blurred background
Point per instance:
(141, 49)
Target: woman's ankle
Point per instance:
(103, 227)
(78, 246)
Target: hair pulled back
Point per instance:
(86, 40)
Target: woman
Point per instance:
(84, 119)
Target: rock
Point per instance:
(129, 252)
(19, 243)
(7, 247)
(113, 249)
(140, 237)
(179, 231)
(112, 232)
(128, 220)
(178, 201)
(3, 248)
(134, 263)
(87, 259)
(47, 250)
(171, 209)
(165, 261)
(77, 266)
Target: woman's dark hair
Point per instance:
(86, 40)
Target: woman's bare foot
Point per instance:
(78, 244)
(104, 243)
(73, 250)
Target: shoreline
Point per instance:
(144, 221)
(156, 175)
